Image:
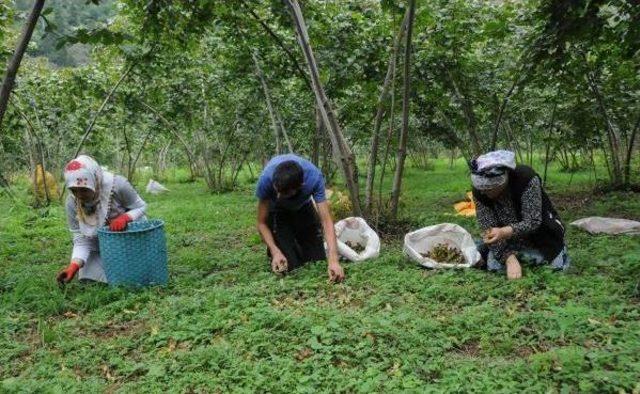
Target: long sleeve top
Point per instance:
(503, 213)
(124, 199)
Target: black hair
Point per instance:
(487, 172)
(288, 176)
(473, 165)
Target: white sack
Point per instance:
(600, 225)
(423, 240)
(154, 187)
(356, 230)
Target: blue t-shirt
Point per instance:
(313, 184)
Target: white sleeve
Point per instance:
(81, 247)
(130, 199)
(81, 244)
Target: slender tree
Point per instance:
(375, 136)
(342, 153)
(404, 133)
(267, 96)
(16, 59)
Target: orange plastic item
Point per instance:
(466, 208)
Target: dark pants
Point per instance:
(298, 234)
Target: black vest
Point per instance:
(549, 237)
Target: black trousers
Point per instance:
(298, 234)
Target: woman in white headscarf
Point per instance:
(517, 217)
(97, 198)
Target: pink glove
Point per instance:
(120, 223)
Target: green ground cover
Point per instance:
(225, 323)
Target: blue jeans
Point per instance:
(525, 255)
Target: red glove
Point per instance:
(120, 223)
(66, 275)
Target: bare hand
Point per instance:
(336, 273)
(514, 270)
(497, 234)
(279, 263)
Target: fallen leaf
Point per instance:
(106, 372)
(303, 354)
(172, 345)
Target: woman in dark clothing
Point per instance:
(518, 219)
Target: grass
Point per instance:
(225, 323)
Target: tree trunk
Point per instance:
(36, 156)
(503, 106)
(267, 96)
(345, 157)
(627, 160)
(614, 144)
(33, 162)
(16, 59)
(161, 162)
(133, 165)
(284, 132)
(280, 43)
(375, 136)
(100, 109)
(317, 139)
(516, 144)
(465, 150)
(406, 97)
(390, 132)
(187, 149)
(452, 157)
(5, 187)
(469, 114)
(593, 166)
(127, 147)
(548, 145)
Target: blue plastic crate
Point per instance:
(137, 256)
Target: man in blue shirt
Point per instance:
(289, 223)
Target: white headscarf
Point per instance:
(85, 172)
(499, 158)
(490, 170)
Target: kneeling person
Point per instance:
(288, 221)
(97, 198)
(517, 217)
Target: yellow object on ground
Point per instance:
(466, 208)
(339, 202)
(41, 181)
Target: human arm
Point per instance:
(489, 223)
(81, 245)
(131, 201)
(278, 260)
(530, 211)
(336, 273)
